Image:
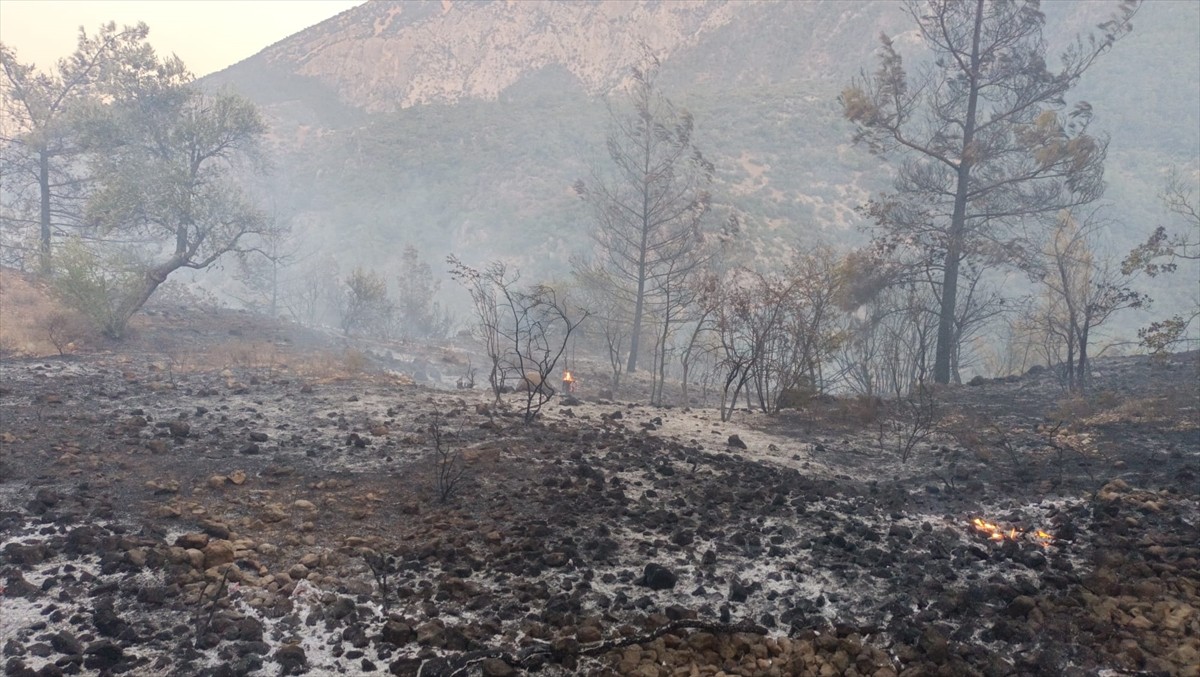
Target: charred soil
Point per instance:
(225, 496)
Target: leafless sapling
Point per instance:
(449, 467)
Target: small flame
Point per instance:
(567, 377)
(995, 532)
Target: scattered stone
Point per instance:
(397, 632)
(494, 667)
(103, 655)
(217, 553)
(66, 643)
(658, 577)
(291, 658)
(735, 442)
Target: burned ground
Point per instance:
(222, 496)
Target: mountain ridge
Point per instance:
(460, 128)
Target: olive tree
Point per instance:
(169, 177)
(43, 146)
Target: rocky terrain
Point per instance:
(224, 497)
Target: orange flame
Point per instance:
(996, 533)
(567, 377)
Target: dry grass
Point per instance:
(860, 410)
(1174, 408)
(32, 322)
(1077, 408)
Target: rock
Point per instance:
(16, 668)
(237, 477)
(217, 553)
(195, 541)
(291, 658)
(250, 629)
(532, 382)
(66, 643)
(735, 442)
(163, 488)
(47, 497)
(136, 557)
(432, 633)
(658, 577)
(1020, 606)
(273, 513)
(259, 437)
(977, 381)
(738, 592)
(250, 449)
(195, 558)
(179, 429)
(307, 506)
(215, 529)
(1113, 490)
(494, 667)
(25, 555)
(105, 618)
(555, 559)
(682, 537)
(935, 644)
(397, 632)
(405, 667)
(103, 655)
(341, 608)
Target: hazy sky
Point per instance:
(207, 34)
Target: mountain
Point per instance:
(461, 126)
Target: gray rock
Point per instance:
(658, 577)
(291, 659)
(66, 643)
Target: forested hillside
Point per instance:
(401, 121)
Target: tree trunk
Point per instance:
(941, 364)
(1082, 372)
(44, 215)
(635, 338)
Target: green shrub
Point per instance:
(104, 289)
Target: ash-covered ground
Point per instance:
(162, 514)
